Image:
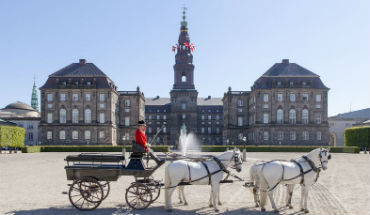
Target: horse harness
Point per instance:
(302, 173)
(209, 174)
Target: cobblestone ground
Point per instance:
(35, 184)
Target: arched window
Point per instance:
(279, 116)
(62, 115)
(74, 135)
(75, 116)
(87, 135)
(183, 78)
(305, 116)
(87, 116)
(62, 135)
(292, 116)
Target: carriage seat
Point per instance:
(137, 148)
(136, 156)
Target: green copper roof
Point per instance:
(34, 98)
(184, 23)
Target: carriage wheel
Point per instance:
(106, 188)
(138, 196)
(155, 190)
(86, 194)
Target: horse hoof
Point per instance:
(276, 211)
(210, 206)
(263, 209)
(185, 203)
(217, 210)
(219, 203)
(169, 210)
(256, 205)
(306, 211)
(290, 207)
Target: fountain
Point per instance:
(188, 141)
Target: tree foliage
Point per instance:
(11, 136)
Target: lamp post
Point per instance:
(124, 148)
(244, 149)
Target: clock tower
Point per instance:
(183, 94)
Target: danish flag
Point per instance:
(191, 47)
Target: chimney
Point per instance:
(209, 97)
(82, 61)
(285, 61)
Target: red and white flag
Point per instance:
(192, 47)
(173, 48)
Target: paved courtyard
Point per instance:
(35, 184)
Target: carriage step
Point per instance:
(226, 181)
(248, 184)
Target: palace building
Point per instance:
(287, 105)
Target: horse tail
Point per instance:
(167, 184)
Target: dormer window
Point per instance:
(291, 83)
(88, 83)
(64, 83)
(278, 83)
(304, 83)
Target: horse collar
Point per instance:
(311, 163)
(220, 164)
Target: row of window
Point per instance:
(209, 130)
(75, 117)
(280, 117)
(209, 117)
(150, 130)
(164, 117)
(292, 117)
(75, 135)
(280, 96)
(292, 135)
(75, 97)
(150, 117)
(292, 97)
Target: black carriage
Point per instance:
(91, 174)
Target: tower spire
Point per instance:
(34, 97)
(184, 68)
(184, 23)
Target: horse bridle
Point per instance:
(236, 160)
(320, 157)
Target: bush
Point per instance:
(267, 148)
(96, 148)
(11, 136)
(357, 136)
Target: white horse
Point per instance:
(200, 173)
(304, 170)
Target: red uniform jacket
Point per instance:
(140, 138)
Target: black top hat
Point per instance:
(141, 122)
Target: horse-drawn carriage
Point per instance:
(92, 172)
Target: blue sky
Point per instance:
(236, 42)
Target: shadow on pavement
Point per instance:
(123, 210)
